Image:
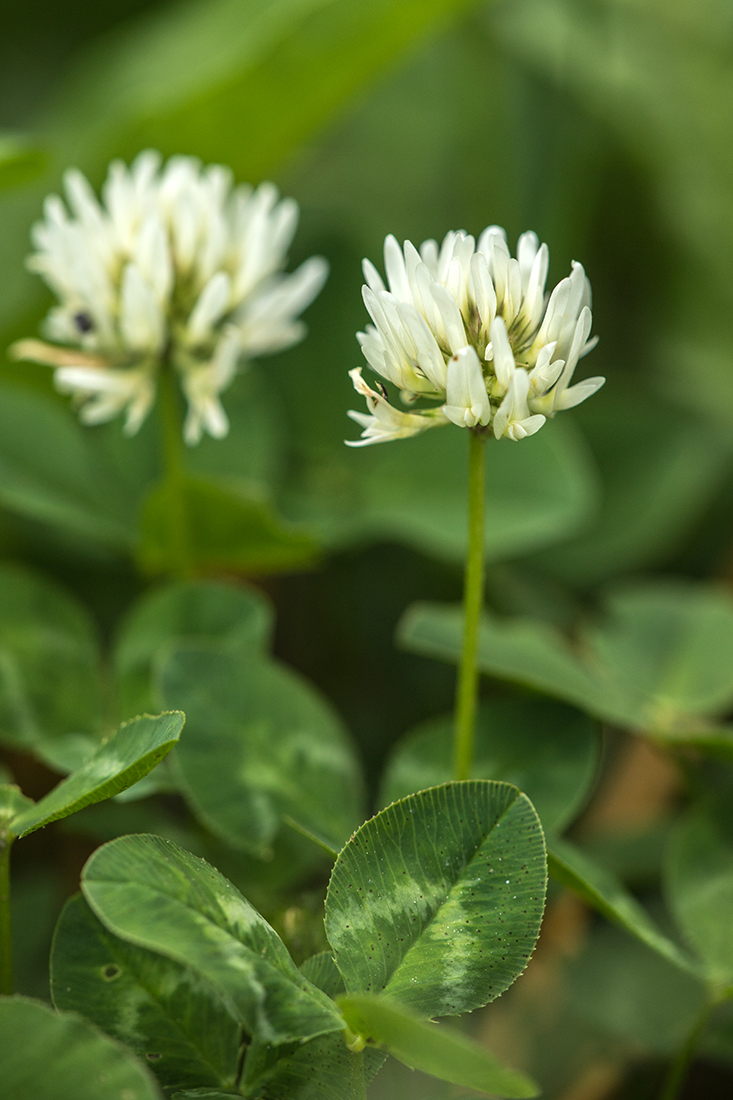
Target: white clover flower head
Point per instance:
(470, 326)
(175, 268)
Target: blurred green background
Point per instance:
(604, 125)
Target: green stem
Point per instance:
(298, 828)
(174, 476)
(358, 1081)
(473, 599)
(6, 938)
(680, 1067)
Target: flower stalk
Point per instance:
(6, 939)
(473, 599)
(174, 477)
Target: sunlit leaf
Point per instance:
(121, 760)
(153, 894)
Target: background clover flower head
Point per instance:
(174, 265)
(469, 325)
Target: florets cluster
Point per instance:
(175, 268)
(468, 325)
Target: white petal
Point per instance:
(373, 278)
(527, 248)
(467, 402)
(579, 392)
(394, 265)
(141, 321)
(429, 356)
(450, 315)
(483, 289)
(546, 372)
(503, 357)
(386, 423)
(213, 302)
(513, 419)
(153, 257)
(429, 256)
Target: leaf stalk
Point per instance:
(174, 475)
(473, 599)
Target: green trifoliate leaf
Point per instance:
(548, 750)
(603, 891)
(431, 1048)
(437, 901)
(234, 616)
(227, 531)
(49, 665)
(317, 1070)
(167, 1014)
(660, 658)
(261, 745)
(151, 893)
(700, 885)
(51, 1055)
(414, 492)
(660, 465)
(631, 994)
(121, 760)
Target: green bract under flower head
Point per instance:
(174, 265)
(469, 326)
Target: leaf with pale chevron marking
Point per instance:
(150, 892)
(162, 1010)
(437, 901)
